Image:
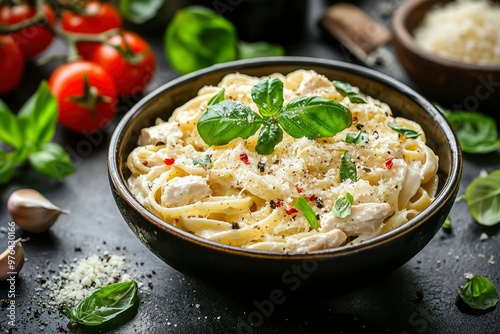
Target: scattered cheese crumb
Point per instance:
(468, 275)
(80, 278)
(483, 237)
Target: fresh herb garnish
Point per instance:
(105, 304)
(308, 212)
(479, 293)
(259, 49)
(447, 223)
(346, 90)
(204, 162)
(483, 199)
(476, 132)
(219, 97)
(311, 116)
(408, 133)
(342, 206)
(139, 11)
(29, 134)
(356, 138)
(347, 168)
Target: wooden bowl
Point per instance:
(454, 84)
(219, 263)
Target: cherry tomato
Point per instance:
(97, 17)
(34, 39)
(11, 64)
(86, 95)
(132, 67)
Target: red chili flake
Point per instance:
(291, 210)
(278, 203)
(144, 162)
(312, 198)
(299, 189)
(355, 120)
(389, 162)
(169, 161)
(244, 158)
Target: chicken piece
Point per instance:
(330, 239)
(181, 191)
(167, 132)
(365, 218)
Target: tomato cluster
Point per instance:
(110, 60)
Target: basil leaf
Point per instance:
(269, 136)
(346, 90)
(139, 11)
(314, 117)
(343, 205)
(219, 97)
(10, 132)
(308, 212)
(7, 166)
(227, 120)
(52, 161)
(38, 116)
(476, 132)
(204, 162)
(347, 168)
(483, 199)
(479, 293)
(356, 138)
(198, 37)
(447, 223)
(105, 304)
(268, 96)
(259, 49)
(408, 133)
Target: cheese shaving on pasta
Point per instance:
(245, 199)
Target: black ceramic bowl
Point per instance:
(216, 262)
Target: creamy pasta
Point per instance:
(241, 198)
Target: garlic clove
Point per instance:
(31, 211)
(11, 260)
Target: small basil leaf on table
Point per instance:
(476, 132)
(139, 11)
(478, 292)
(267, 94)
(346, 89)
(259, 49)
(270, 135)
(308, 212)
(10, 132)
(227, 120)
(314, 117)
(483, 199)
(53, 161)
(105, 304)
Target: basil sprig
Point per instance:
(408, 133)
(478, 292)
(28, 136)
(483, 199)
(105, 304)
(346, 89)
(310, 116)
(204, 162)
(347, 168)
(357, 138)
(308, 212)
(343, 205)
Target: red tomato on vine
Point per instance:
(130, 61)
(95, 18)
(33, 39)
(86, 95)
(11, 64)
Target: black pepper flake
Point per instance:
(159, 143)
(359, 126)
(367, 170)
(235, 226)
(272, 204)
(261, 166)
(319, 202)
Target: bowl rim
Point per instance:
(408, 41)
(449, 188)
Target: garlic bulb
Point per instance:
(11, 260)
(31, 211)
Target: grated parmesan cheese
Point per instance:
(80, 278)
(463, 30)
